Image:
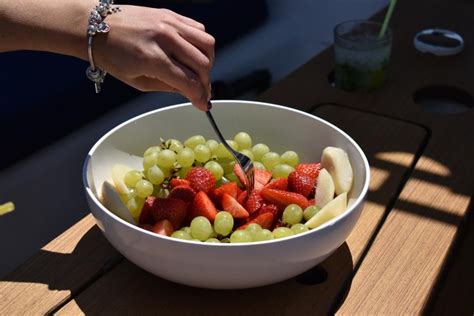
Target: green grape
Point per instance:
(155, 175)
(201, 228)
(290, 158)
(152, 149)
(253, 228)
(299, 228)
(243, 140)
(221, 182)
(166, 158)
(195, 140)
(215, 168)
(227, 165)
(213, 240)
(150, 160)
(161, 192)
(293, 214)
(132, 177)
(262, 235)
(212, 144)
(225, 240)
(240, 236)
(180, 234)
(144, 188)
(259, 165)
(186, 229)
(270, 160)
(202, 153)
(222, 152)
(310, 211)
(231, 177)
(248, 153)
(282, 232)
(174, 145)
(182, 173)
(185, 157)
(132, 193)
(167, 171)
(134, 206)
(282, 171)
(214, 234)
(223, 223)
(232, 144)
(259, 150)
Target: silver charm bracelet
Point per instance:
(96, 25)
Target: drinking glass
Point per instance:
(362, 56)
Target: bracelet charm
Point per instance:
(96, 25)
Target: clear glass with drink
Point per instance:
(362, 55)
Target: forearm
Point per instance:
(57, 26)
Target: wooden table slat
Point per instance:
(57, 272)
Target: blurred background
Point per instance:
(50, 116)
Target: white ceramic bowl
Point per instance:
(225, 266)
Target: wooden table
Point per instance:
(408, 252)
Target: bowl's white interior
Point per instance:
(279, 127)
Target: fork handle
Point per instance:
(216, 129)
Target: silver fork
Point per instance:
(244, 162)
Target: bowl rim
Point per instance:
(325, 226)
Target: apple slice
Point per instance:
(324, 188)
(111, 200)
(118, 173)
(337, 163)
(331, 210)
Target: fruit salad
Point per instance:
(194, 190)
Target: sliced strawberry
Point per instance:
(242, 197)
(300, 183)
(201, 179)
(254, 202)
(230, 188)
(177, 181)
(163, 227)
(171, 209)
(264, 220)
(279, 223)
(268, 208)
(283, 198)
(146, 216)
(240, 175)
(309, 169)
(278, 184)
(313, 191)
(203, 206)
(261, 178)
(231, 205)
(183, 192)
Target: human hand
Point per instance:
(157, 50)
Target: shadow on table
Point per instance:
(91, 257)
(64, 273)
(151, 295)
